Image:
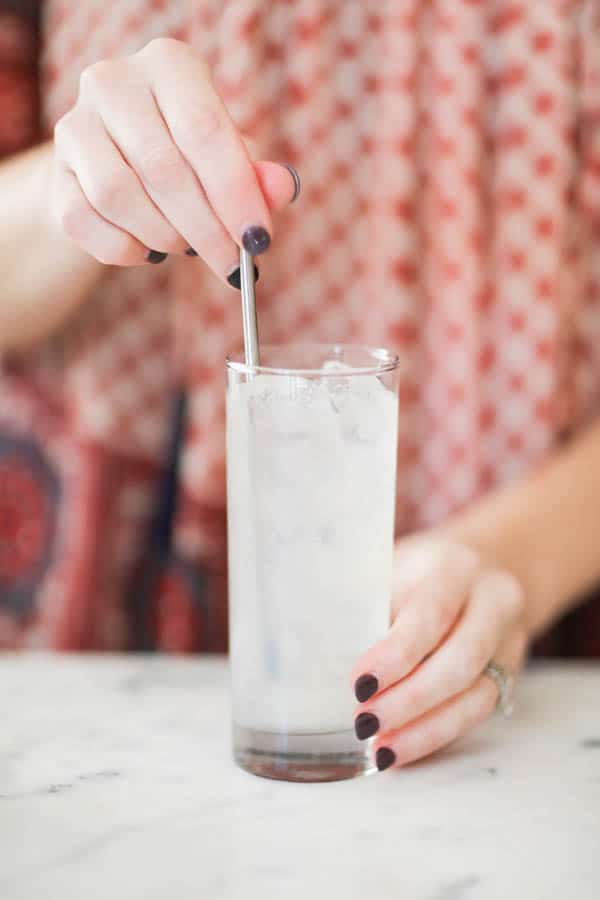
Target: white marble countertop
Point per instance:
(116, 782)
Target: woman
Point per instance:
(449, 209)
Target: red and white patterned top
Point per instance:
(450, 161)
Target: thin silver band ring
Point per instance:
(505, 684)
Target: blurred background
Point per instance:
(458, 185)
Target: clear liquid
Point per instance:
(311, 487)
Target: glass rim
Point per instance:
(388, 361)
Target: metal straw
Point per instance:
(252, 355)
(249, 309)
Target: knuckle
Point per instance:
(446, 559)
(161, 168)
(75, 219)
(500, 590)
(168, 51)
(117, 251)
(65, 129)
(456, 560)
(96, 77)
(514, 598)
(107, 194)
(202, 125)
(163, 47)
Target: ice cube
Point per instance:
(281, 405)
(335, 387)
(365, 408)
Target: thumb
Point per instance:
(279, 183)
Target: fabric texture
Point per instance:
(450, 209)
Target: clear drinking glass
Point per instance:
(311, 472)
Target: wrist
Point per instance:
(41, 174)
(37, 300)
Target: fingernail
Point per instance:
(365, 687)
(190, 252)
(235, 279)
(385, 758)
(297, 182)
(366, 725)
(155, 256)
(256, 240)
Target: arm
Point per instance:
(44, 274)
(545, 530)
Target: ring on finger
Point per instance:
(505, 684)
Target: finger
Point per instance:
(492, 610)
(109, 184)
(513, 651)
(280, 184)
(452, 719)
(204, 132)
(137, 128)
(80, 221)
(437, 728)
(426, 614)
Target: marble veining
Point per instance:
(116, 781)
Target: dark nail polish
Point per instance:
(235, 279)
(297, 182)
(385, 758)
(256, 240)
(190, 252)
(155, 256)
(365, 687)
(366, 725)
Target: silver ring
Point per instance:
(505, 684)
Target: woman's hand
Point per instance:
(422, 685)
(148, 162)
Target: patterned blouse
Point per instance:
(450, 158)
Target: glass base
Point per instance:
(321, 756)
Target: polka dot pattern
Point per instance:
(433, 220)
(450, 161)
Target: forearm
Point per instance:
(546, 529)
(44, 275)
